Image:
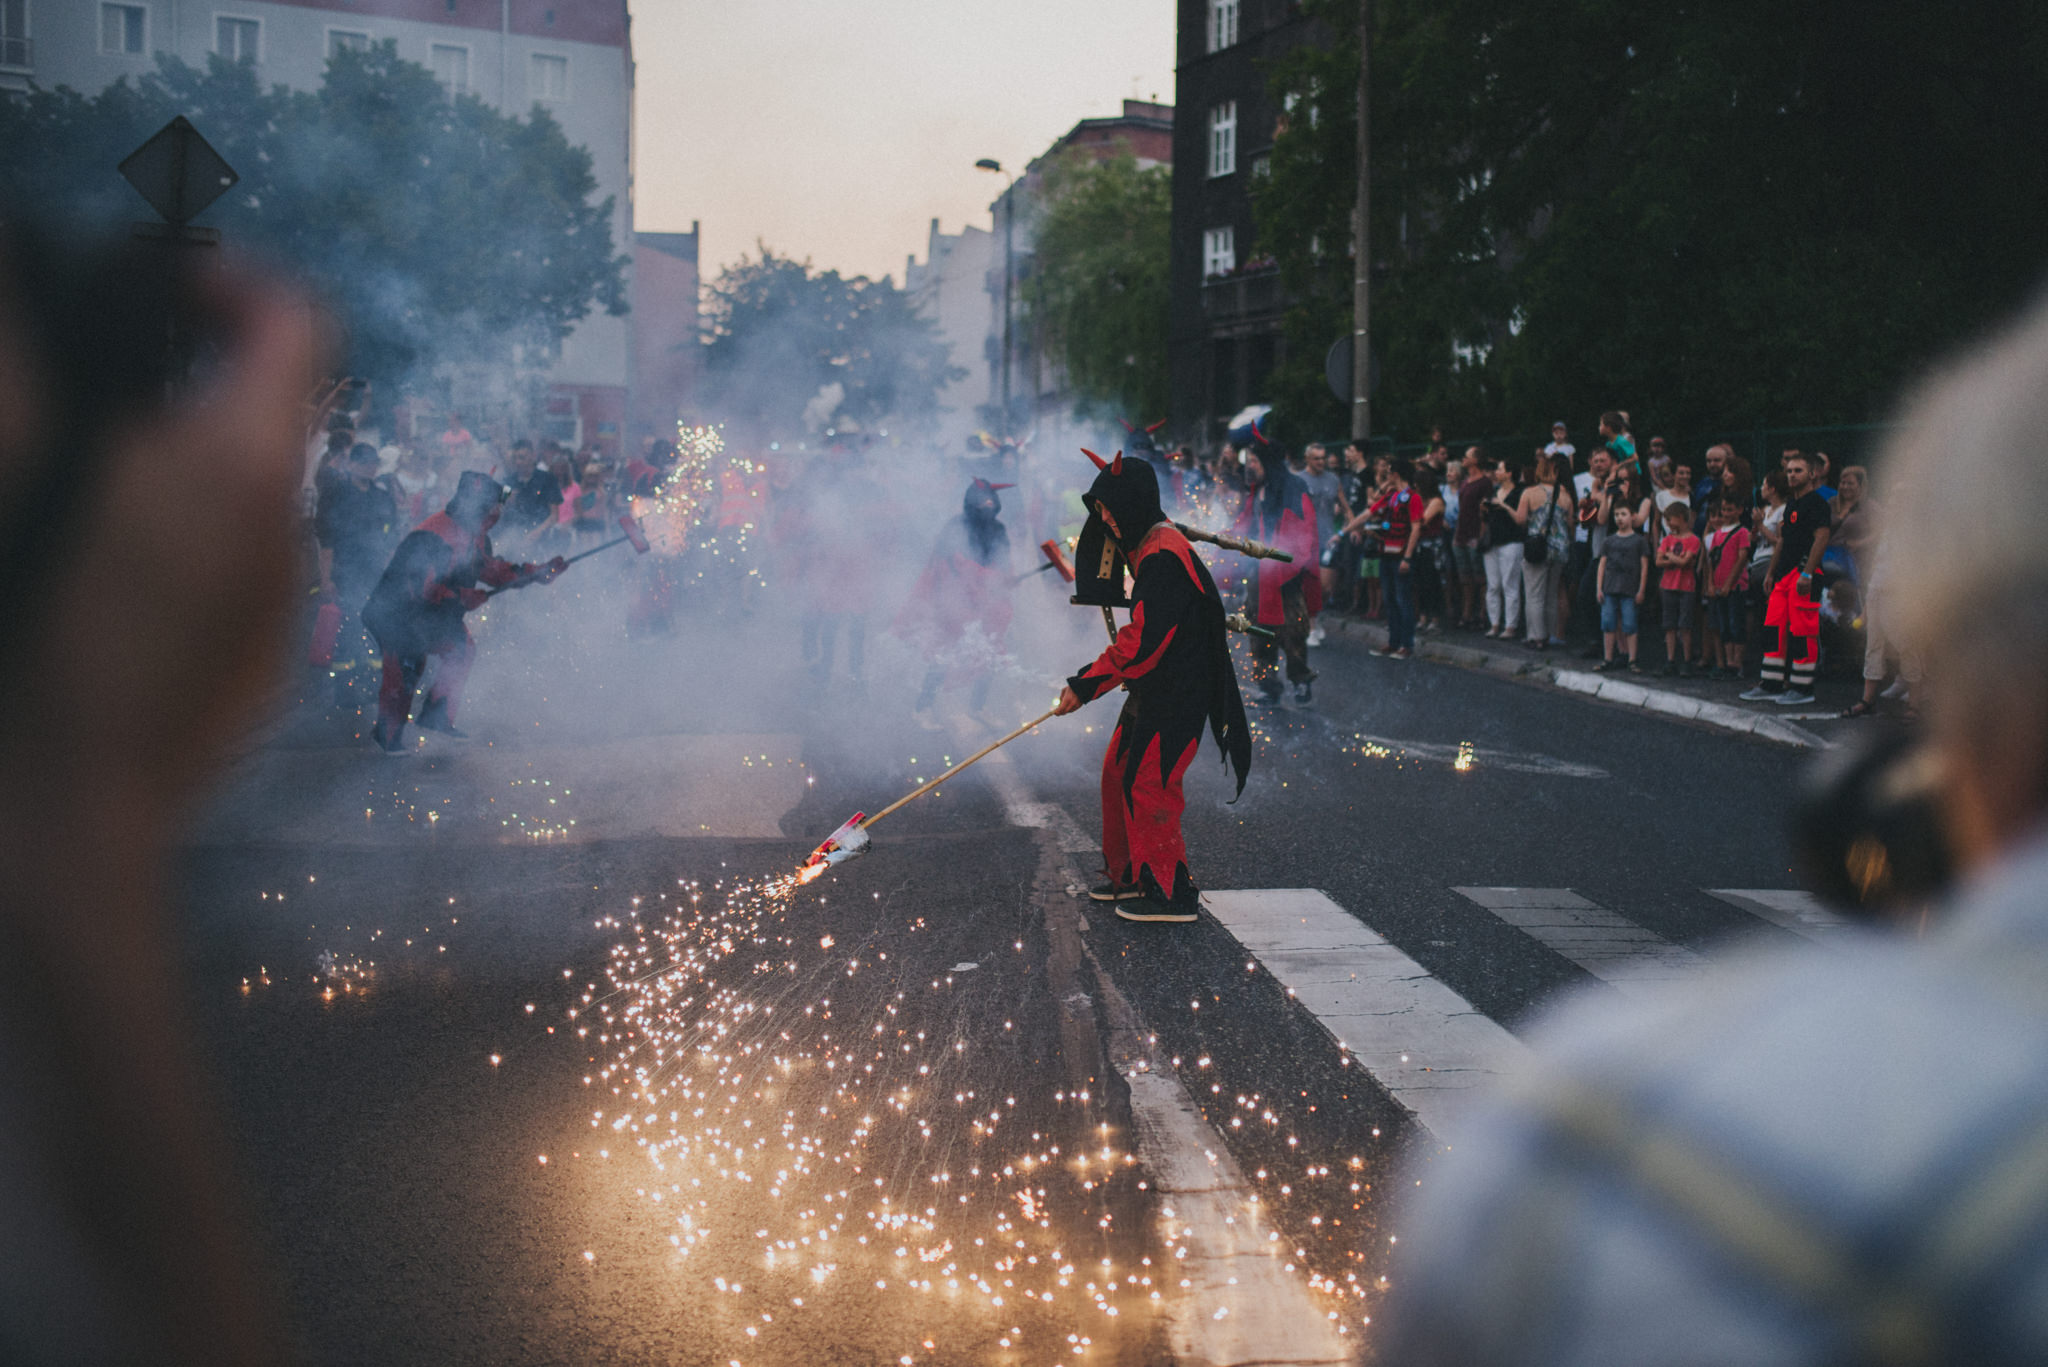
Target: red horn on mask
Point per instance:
(1100, 463)
(1127, 424)
(1116, 467)
(1156, 426)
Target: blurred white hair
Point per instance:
(1968, 478)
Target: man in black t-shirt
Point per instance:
(1794, 603)
(535, 494)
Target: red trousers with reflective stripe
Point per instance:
(1141, 835)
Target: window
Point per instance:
(451, 67)
(235, 39)
(14, 48)
(1222, 24)
(549, 77)
(121, 28)
(1223, 138)
(340, 40)
(1219, 252)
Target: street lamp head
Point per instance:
(989, 164)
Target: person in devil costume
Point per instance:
(1174, 659)
(1279, 511)
(959, 610)
(417, 607)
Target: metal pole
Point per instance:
(1361, 240)
(1009, 273)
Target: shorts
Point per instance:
(1729, 616)
(1788, 608)
(1678, 608)
(1468, 561)
(1618, 613)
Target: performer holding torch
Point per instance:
(417, 607)
(1174, 658)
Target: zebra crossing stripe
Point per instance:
(1429, 1047)
(1799, 912)
(1607, 945)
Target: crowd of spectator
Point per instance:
(1610, 552)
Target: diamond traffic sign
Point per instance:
(178, 171)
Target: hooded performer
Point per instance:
(1279, 510)
(959, 609)
(417, 607)
(1174, 659)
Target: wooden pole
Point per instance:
(919, 792)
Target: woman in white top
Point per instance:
(1546, 515)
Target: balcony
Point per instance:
(17, 54)
(1256, 294)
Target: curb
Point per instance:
(1522, 667)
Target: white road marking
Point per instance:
(1797, 911)
(1429, 1047)
(1609, 946)
(1261, 1313)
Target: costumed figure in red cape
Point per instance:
(1279, 511)
(416, 610)
(1174, 660)
(959, 610)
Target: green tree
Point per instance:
(778, 331)
(440, 230)
(1098, 288)
(1705, 215)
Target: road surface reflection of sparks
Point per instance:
(799, 1132)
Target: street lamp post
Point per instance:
(1009, 272)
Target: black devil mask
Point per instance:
(1128, 491)
(475, 496)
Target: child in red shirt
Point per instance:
(1723, 567)
(1678, 556)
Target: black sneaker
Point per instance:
(435, 718)
(1670, 670)
(1115, 892)
(1266, 699)
(1145, 908)
(1685, 669)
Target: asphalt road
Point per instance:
(535, 1055)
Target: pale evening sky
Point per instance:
(837, 130)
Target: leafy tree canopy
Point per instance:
(778, 331)
(1098, 289)
(439, 229)
(1710, 215)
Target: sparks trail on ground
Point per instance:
(799, 1110)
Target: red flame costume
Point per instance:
(1174, 659)
(958, 612)
(416, 610)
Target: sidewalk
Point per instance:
(1710, 702)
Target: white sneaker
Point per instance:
(1759, 694)
(1315, 636)
(1793, 697)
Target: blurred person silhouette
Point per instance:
(1825, 1156)
(417, 607)
(147, 558)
